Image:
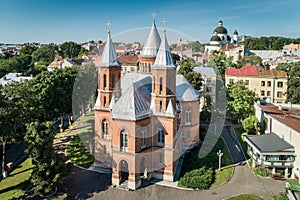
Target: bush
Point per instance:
(261, 171)
(200, 178)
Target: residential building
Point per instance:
(144, 121)
(209, 83)
(280, 141)
(60, 63)
(10, 77)
(129, 63)
(270, 85)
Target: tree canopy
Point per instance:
(293, 90)
(194, 78)
(269, 43)
(220, 62)
(240, 100)
(70, 49)
(249, 60)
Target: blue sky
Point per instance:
(65, 20)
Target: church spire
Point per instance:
(152, 43)
(109, 55)
(164, 57)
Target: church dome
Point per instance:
(215, 38)
(235, 32)
(220, 29)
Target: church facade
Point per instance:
(145, 121)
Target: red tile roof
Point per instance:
(128, 59)
(244, 71)
(255, 71)
(285, 116)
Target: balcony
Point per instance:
(271, 163)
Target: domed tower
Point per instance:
(149, 51)
(222, 32)
(235, 37)
(215, 39)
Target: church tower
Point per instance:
(109, 89)
(150, 49)
(163, 78)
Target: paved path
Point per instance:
(233, 145)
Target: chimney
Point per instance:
(279, 107)
(17, 75)
(4, 78)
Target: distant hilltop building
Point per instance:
(221, 41)
(144, 121)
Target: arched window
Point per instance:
(161, 137)
(188, 117)
(144, 137)
(160, 85)
(104, 81)
(160, 106)
(104, 129)
(123, 140)
(112, 80)
(104, 101)
(104, 149)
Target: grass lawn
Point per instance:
(223, 176)
(78, 154)
(238, 131)
(17, 182)
(245, 196)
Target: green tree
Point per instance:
(250, 124)
(293, 89)
(194, 78)
(240, 100)
(49, 166)
(9, 118)
(249, 60)
(175, 58)
(45, 54)
(220, 62)
(196, 46)
(70, 49)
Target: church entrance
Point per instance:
(124, 172)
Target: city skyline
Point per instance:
(57, 22)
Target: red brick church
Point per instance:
(144, 121)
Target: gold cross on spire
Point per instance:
(108, 24)
(153, 14)
(164, 21)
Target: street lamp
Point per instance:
(220, 154)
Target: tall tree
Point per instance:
(220, 62)
(45, 54)
(9, 119)
(250, 124)
(249, 60)
(293, 89)
(240, 100)
(196, 46)
(48, 166)
(194, 78)
(70, 49)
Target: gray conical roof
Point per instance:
(164, 57)
(109, 56)
(152, 43)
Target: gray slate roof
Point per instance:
(135, 100)
(151, 46)
(270, 143)
(109, 57)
